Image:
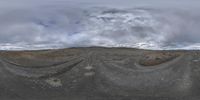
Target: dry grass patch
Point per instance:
(156, 58)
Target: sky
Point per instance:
(146, 24)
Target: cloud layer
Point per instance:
(63, 25)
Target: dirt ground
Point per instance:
(98, 73)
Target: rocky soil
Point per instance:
(97, 73)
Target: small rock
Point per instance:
(55, 82)
(89, 73)
(88, 67)
(196, 60)
(74, 81)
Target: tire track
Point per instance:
(43, 71)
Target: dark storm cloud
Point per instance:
(158, 24)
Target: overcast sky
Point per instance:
(117, 3)
(38, 24)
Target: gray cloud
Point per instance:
(155, 24)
